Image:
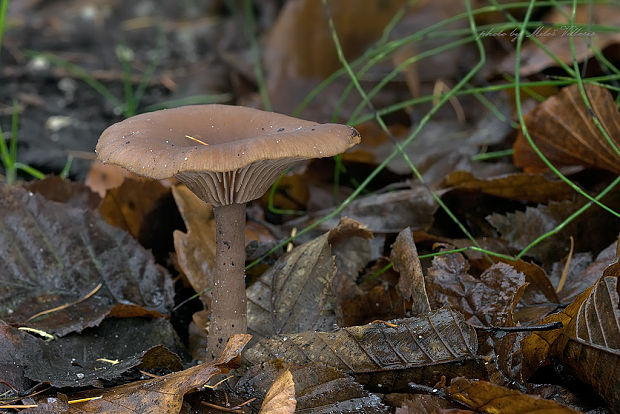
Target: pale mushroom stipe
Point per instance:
(227, 156)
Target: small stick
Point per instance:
(545, 327)
(226, 409)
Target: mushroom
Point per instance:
(227, 156)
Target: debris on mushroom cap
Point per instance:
(225, 154)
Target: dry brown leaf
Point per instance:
(490, 398)
(411, 282)
(535, 188)
(103, 177)
(280, 398)
(536, 347)
(591, 343)
(564, 130)
(163, 394)
(127, 206)
(318, 388)
(196, 248)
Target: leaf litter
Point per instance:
(359, 314)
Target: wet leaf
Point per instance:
(101, 353)
(65, 191)
(590, 345)
(411, 281)
(127, 206)
(489, 398)
(318, 388)
(57, 254)
(564, 130)
(484, 301)
(163, 394)
(535, 188)
(280, 398)
(295, 294)
(437, 338)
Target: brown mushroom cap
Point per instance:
(247, 148)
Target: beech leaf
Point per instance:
(280, 398)
(441, 336)
(295, 294)
(485, 397)
(565, 131)
(56, 255)
(318, 388)
(162, 394)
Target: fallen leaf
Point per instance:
(163, 394)
(103, 177)
(383, 213)
(440, 337)
(280, 398)
(564, 130)
(73, 193)
(490, 398)
(590, 344)
(101, 353)
(318, 388)
(411, 282)
(196, 248)
(427, 404)
(56, 255)
(557, 41)
(295, 294)
(591, 230)
(582, 272)
(127, 206)
(289, 59)
(350, 245)
(484, 301)
(535, 188)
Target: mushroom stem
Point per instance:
(228, 304)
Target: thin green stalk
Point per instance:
(492, 155)
(570, 218)
(489, 88)
(378, 54)
(442, 100)
(582, 90)
(270, 200)
(4, 5)
(524, 128)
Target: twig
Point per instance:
(226, 409)
(545, 327)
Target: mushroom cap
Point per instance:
(225, 154)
